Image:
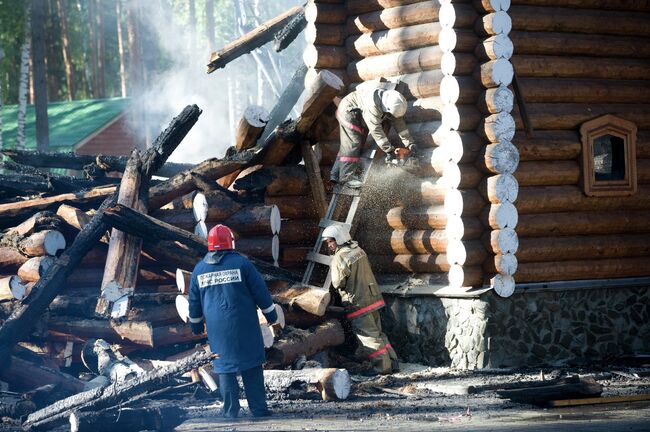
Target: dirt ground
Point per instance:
(421, 398)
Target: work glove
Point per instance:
(197, 328)
(413, 150)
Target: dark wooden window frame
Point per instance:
(589, 132)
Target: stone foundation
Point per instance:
(530, 328)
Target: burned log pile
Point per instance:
(95, 275)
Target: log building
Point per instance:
(525, 240)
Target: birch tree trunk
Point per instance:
(101, 55)
(62, 6)
(24, 79)
(39, 8)
(120, 47)
(209, 24)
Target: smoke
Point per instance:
(184, 81)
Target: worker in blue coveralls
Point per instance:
(224, 292)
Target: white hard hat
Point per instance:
(393, 103)
(339, 233)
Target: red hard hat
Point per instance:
(220, 238)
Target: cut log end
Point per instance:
(183, 307)
(335, 384)
(183, 278)
(503, 285)
(200, 207)
(12, 288)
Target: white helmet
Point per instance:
(340, 233)
(393, 103)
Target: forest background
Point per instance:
(153, 52)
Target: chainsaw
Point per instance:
(405, 160)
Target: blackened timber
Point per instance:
(56, 184)
(20, 323)
(87, 163)
(185, 182)
(149, 418)
(257, 37)
(110, 396)
(290, 32)
(151, 229)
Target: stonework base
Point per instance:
(530, 328)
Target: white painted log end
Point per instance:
(503, 285)
(447, 15)
(257, 116)
(506, 264)
(448, 63)
(455, 229)
(503, 216)
(451, 175)
(497, 72)
(276, 220)
(499, 47)
(453, 203)
(447, 39)
(456, 276)
(456, 253)
(275, 248)
(504, 241)
(201, 230)
(498, 22)
(12, 288)
(500, 127)
(53, 242)
(339, 382)
(183, 279)
(183, 307)
(200, 207)
(208, 379)
(502, 188)
(499, 99)
(502, 158)
(449, 88)
(450, 117)
(267, 335)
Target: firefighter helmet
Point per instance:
(339, 233)
(393, 103)
(220, 237)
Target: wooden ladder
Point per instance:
(315, 257)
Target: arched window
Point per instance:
(608, 156)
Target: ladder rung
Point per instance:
(343, 190)
(319, 258)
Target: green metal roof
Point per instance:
(69, 122)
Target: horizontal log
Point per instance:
(422, 263)
(306, 343)
(10, 213)
(459, 16)
(491, 5)
(548, 173)
(412, 61)
(626, 23)
(579, 67)
(499, 188)
(630, 5)
(500, 216)
(495, 73)
(47, 242)
(550, 199)
(401, 39)
(583, 269)
(34, 268)
(356, 7)
(11, 260)
(325, 56)
(540, 249)
(250, 127)
(548, 145)
(333, 384)
(288, 208)
(498, 127)
(571, 90)
(500, 158)
(325, 34)
(324, 13)
(298, 232)
(503, 264)
(496, 100)
(427, 218)
(26, 376)
(583, 223)
(575, 44)
(495, 47)
(12, 288)
(493, 23)
(502, 241)
(276, 181)
(571, 116)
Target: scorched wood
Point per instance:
(149, 228)
(105, 397)
(19, 324)
(128, 419)
(302, 342)
(26, 375)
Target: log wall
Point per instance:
(426, 222)
(575, 61)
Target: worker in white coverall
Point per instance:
(361, 298)
(367, 110)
